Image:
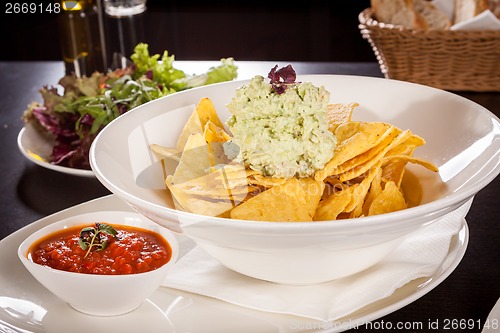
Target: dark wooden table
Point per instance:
(29, 192)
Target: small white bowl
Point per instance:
(100, 295)
(463, 140)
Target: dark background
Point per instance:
(210, 30)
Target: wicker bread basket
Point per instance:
(445, 59)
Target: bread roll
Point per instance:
(433, 18)
(467, 9)
(495, 7)
(397, 12)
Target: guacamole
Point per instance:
(283, 133)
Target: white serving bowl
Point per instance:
(100, 295)
(462, 140)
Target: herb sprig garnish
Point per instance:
(90, 237)
(281, 78)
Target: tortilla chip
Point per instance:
(426, 164)
(214, 133)
(368, 158)
(281, 203)
(192, 126)
(375, 190)
(164, 152)
(355, 207)
(407, 146)
(353, 139)
(215, 138)
(394, 167)
(195, 160)
(194, 204)
(213, 179)
(339, 114)
(331, 207)
(313, 192)
(411, 189)
(259, 179)
(389, 142)
(366, 175)
(389, 200)
(204, 112)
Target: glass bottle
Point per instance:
(82, 37)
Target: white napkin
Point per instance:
(421, 255)
(484, 21)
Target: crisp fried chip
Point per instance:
(411, 189)
(355, 207)
(389, 200)
(214, 133)
(426, 164)
(213, 180)
(215, 138)
(375, 190)
(194, 161)
(353, 139)
(216, 188)
(407, 146)
(389, 142)
(164, 152)
(394, 167)
(195, 204)
(236, 194)
(192, 126)
(285, 202)
(373, 155)
(330, 207)
(204, 112)
(313, 191)
(259, 179)
(339, 114)
(366, 176)
(237, 178)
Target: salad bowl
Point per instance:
(462, 140)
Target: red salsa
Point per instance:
(132, 250)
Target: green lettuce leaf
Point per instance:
(226, 71)
(162, 71)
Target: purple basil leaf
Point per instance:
(280, 78)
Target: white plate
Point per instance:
(27, 306)
(492, 321)
(37, 148)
